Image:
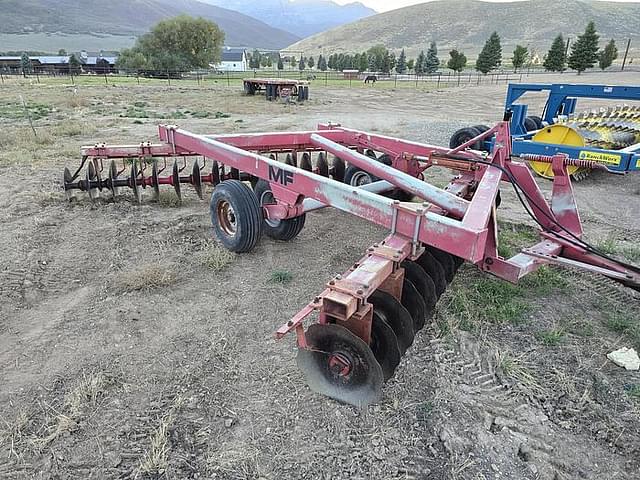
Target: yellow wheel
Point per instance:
(557, 135)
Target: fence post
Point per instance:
(326, 78)
(2, 78)
(138, 77)
(73, 82)
(228, 79)
(168, 78)
(105, 78)
(349, 80)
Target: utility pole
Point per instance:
(626, 53)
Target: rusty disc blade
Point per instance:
(384, 345)
(322, 165)
(155, 182)
(92, 178)
(196, 178)
(133, 181)
(340, 365)
(391, 311)
(113, 175)
(414, 303)
(175, 180)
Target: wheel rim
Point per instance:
(360, 178)
(267, 198)
(226, 218)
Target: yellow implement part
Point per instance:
(558, 135)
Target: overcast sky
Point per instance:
(385, 5)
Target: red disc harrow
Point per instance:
(366, 317)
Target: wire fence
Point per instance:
(317, 78)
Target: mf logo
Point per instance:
(281, 176)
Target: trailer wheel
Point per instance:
(538, 120)
(530, 125)
(236, 216)
(357, 177)
(283, 230)
(463, 136)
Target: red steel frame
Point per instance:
(460, 219)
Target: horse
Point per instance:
(371, 78)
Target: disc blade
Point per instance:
(322, 165)
(392, 312)
(155, 182)
(137, 193)
(175, 180)
(91, 178)
(113, 175)
(360, 386)
(67, 178)
(305, 162)
(196, 178)
(384, 345)
(446, 260)
(422, 281)
(337, 169)
(414, 303)
(435, 271)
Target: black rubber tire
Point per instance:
(422, 281)
(538, 120)
(414, 303)
(398, 318)
(435, 271)
(481, 128)
(283, 230)
(247, 215)
(446, 260)
(464, 135)
(530, 124)
(353, 171)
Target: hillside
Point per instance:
(466, 24)
(67, 18)
(302, 17)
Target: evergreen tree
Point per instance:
(280, 63)
(431, 61)
(25, 64)
(332, 62)
(520, 55)
(62, 51)
(491, 55)
(364, 63)
(556, 58)
(410, 64)
(420, 63)
(584, 52)
(457, 62)
(293, 62)
(256, 60)
(401, 65)
(311, 62)
(608, 55)
(269, 62)
(301, 64)
(322, 64)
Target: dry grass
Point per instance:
(155, 460)
(146, 277)
(215, 257)
(515, 368)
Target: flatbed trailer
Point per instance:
(277, 88)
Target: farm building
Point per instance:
(233, 60)
(59, 64)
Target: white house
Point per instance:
(233, 60)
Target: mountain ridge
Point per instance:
(130, 18)
(466, 24)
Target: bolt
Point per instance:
(425, 204)
(629, 276)
(400, 252)
(332, 282)
(338, 277)
(359, 291)
(419, 211)
(396, 202)
(316, 300)
(289, 323)
(375, 245)
(370, 249)
(488, 261)
(366, 287)
(396, 256)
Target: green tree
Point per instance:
(293, 62)
(301, 64)
(311, 62)
(431, 61)
(363, 66)
(584, 52)
(401, 65)
(556, 58)
(410, 64)
(420, 63)
(520, 55)
(176, 44)
(74, 65)
(280, 63)
(62, 51)
(380, 59)
(457, 62)
(491, 55)
(25, 64)
(608, 55)
(322, 64)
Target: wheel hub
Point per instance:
(340, 364)
(226, 217)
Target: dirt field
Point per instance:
(132, 346)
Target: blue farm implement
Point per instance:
(604, 139)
